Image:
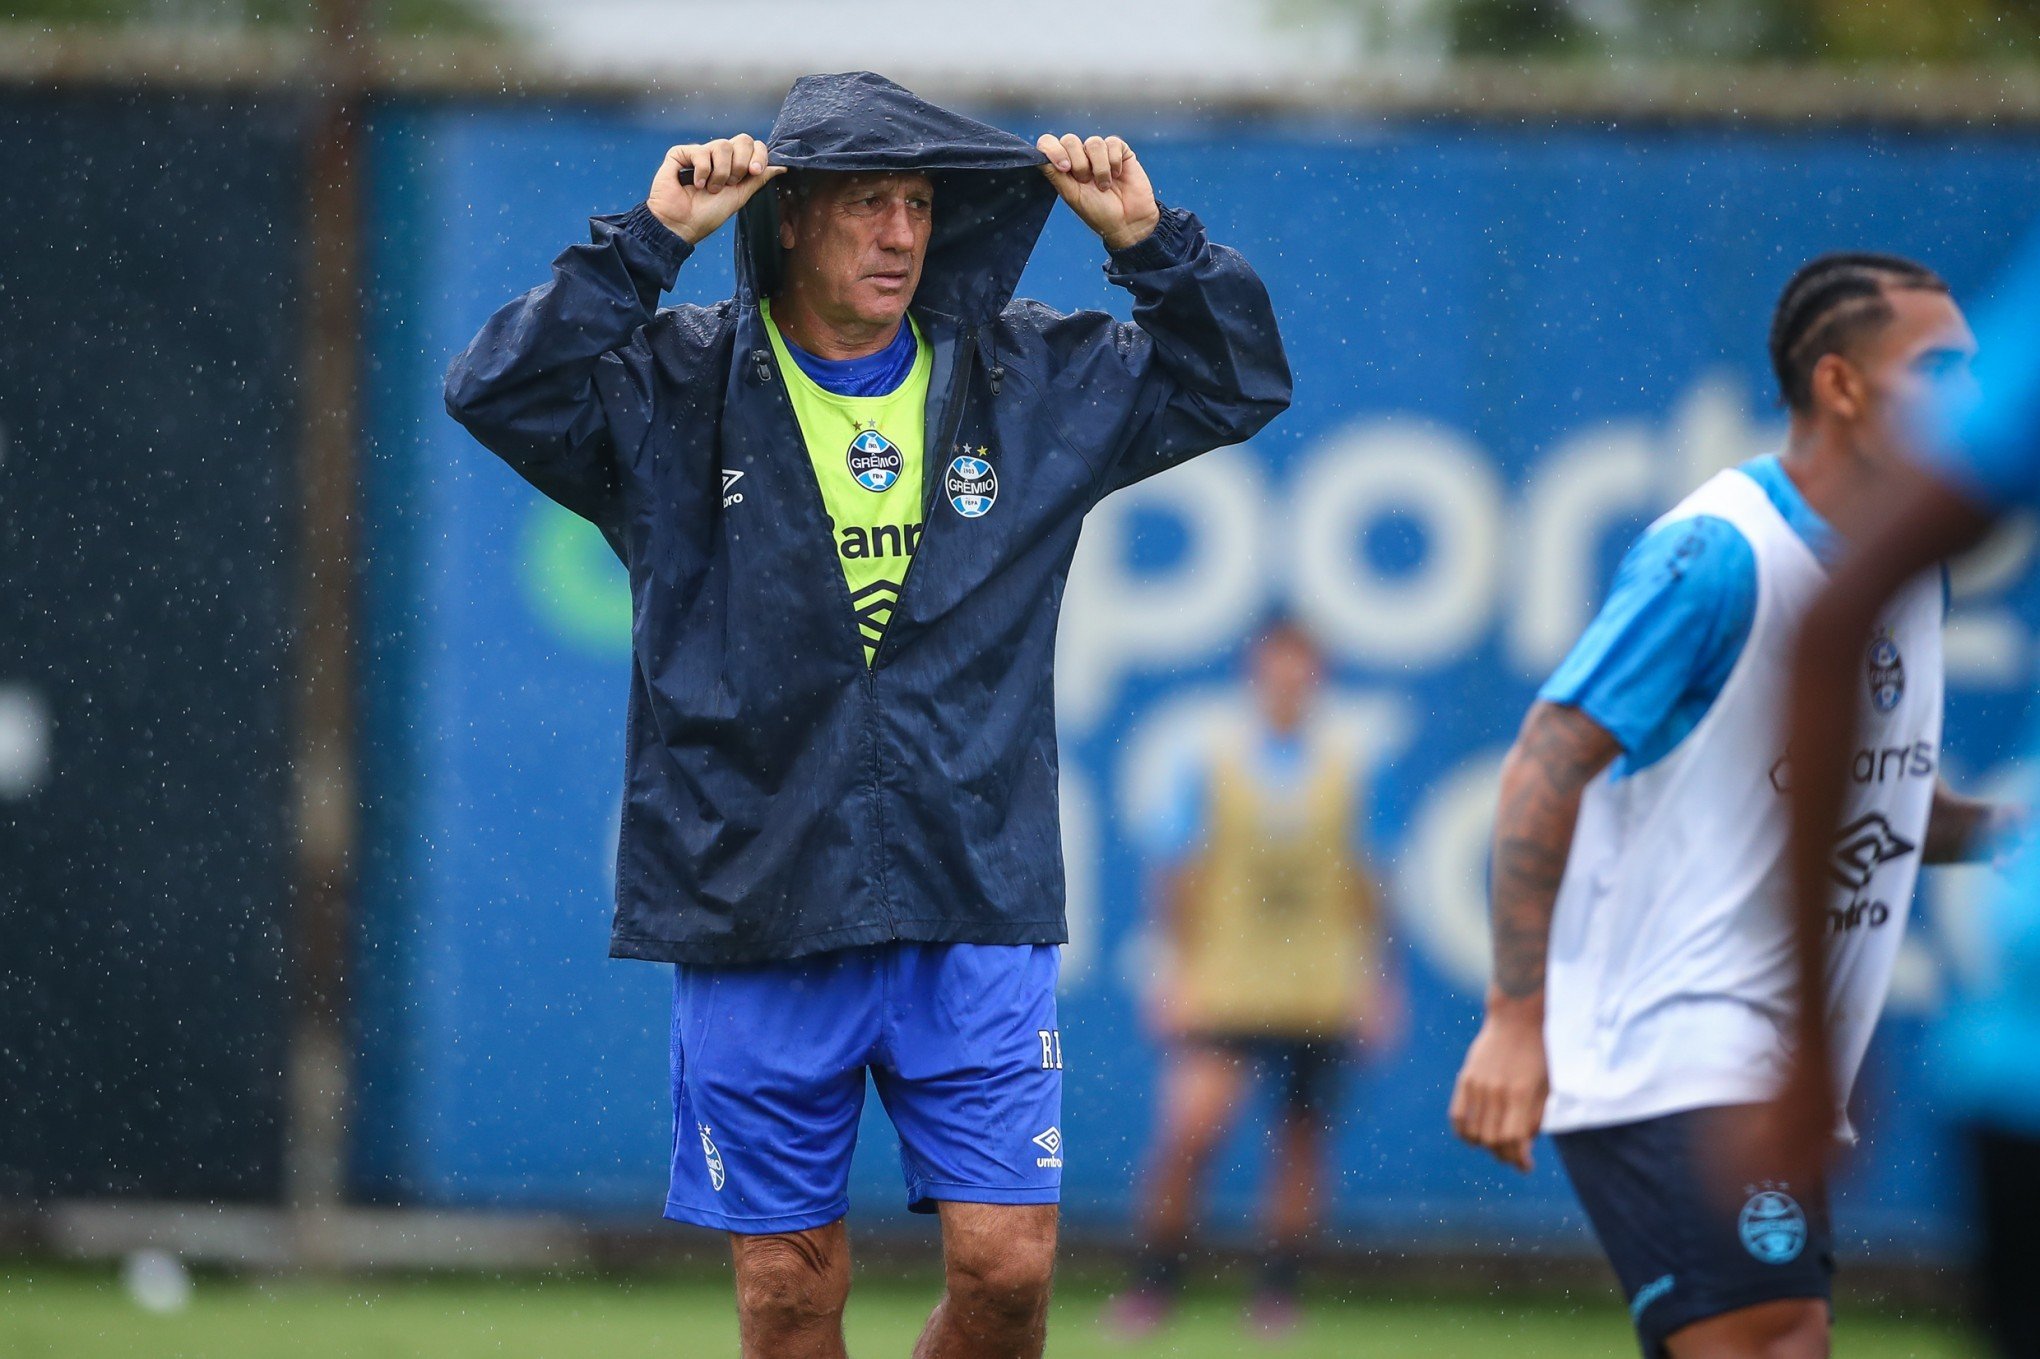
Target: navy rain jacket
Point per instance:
(780, 798)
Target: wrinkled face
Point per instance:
(855, 244)
(1923, 354)
(1285, 670)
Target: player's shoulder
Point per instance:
(682, 345)
(1026, 322)
(693, 323)
(1699, 547)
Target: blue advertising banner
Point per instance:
(1513, 348)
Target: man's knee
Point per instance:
(792, 1281)
(1003, 1279)
(1793, 1328)
(1797, 1331)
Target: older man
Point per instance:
(847, 498)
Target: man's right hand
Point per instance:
(1498, 1102)
(727, 171)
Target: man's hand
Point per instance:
(1103, 184)
(1498, 1101)
(727, 171)
(2007, 833)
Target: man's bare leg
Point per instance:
(1200, 1095)
(998, 1261)
(1791, 1328)
(791, 1287)
(1295, 1192)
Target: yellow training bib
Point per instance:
(867, 457)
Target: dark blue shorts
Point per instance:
(1305, 1072)
(1684, 1254)
(769, 1071)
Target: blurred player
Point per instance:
(1272, 972)
(1642, 1001)
(1980, 449)
(848, 496)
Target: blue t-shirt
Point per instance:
(877, 374)
(1986, 444)
(1282, 761)
(1656, 656)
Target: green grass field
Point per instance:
(71, 1314)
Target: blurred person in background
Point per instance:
(1976, 459)
(840, 818)
(1643, 998)
(1272, 971)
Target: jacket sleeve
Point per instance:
(1204, 352)
(560, 379)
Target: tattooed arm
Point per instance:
(1498, 1101)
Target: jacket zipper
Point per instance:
(932, 472)
(765, 370)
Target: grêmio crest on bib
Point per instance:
(875, 461)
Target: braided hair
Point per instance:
(1831, 302)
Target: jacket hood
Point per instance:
(991, 199)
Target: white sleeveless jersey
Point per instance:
(1670, 976)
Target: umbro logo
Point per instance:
(1050, 1142)
(1862, 845)
(730, 477)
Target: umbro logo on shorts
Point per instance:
(1050, 1142)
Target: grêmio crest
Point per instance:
(1887, 671)
(875, 460)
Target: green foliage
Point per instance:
(383, 16)
(1832, 31)
(1515, 28)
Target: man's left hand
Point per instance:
(1103, 184)
(2007, 833)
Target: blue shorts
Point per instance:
(1684, 1254)
(769, 1068)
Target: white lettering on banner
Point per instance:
(25, 741)
(1441, 606)
(1116, 621)
(1532, 566)
(1617, 475)
(1527, 566)
(1441, 903)
(1598, 478)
